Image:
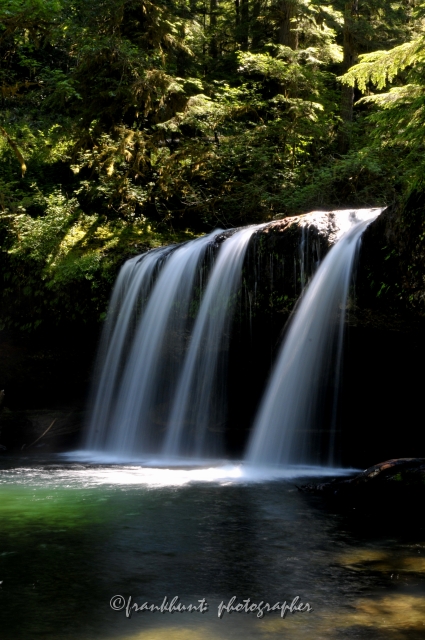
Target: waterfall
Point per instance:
(162, 368)
(141, 347)
(150, 397)
(131, 290)
(199, 406)
(289, 425)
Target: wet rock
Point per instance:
(399, 482)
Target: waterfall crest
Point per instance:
(288, 427)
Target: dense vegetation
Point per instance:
(129, 123)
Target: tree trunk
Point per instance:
(256, 29)
(244, 26)
(287, 34)
(237, 14)
(350, 59)
(213, 25)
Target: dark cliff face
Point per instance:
(391, 274)
(381, 403)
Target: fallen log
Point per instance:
(396, 485)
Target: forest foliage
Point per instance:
(125, 124)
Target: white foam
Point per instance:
(94, 469)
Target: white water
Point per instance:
(89, 468)
(162, 382)
(288, 428)
(131, 289)
(199, 409)
(148, 391)
(141, 365)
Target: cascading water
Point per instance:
(287, 429)
(129, 296)
(139, 369)
(199, 404)
(143, 372)
(162, 372)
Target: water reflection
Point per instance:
(69, 542)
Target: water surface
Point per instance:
(74, 534)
